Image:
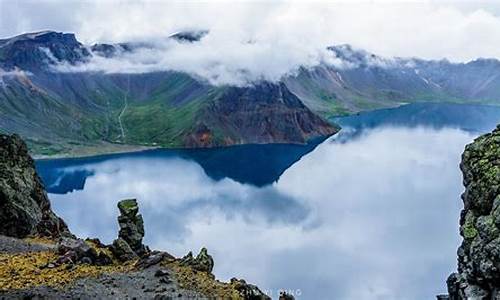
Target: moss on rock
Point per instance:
(478, 274)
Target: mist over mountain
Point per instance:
(62, 94)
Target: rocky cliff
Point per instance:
(263, 113)
(478, 274)
(24, 206)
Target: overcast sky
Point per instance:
(430, 29)
(272, 35)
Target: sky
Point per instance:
(265, 39)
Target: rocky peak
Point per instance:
(203, 261)
(478, 274)
(24, 206)
(189, 36)
(34, 51)
(262, 113)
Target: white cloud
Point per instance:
(12, 73)
(252, 40)
(237, 62)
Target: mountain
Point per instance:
(371, 82)
(58, 111)
(84, 112)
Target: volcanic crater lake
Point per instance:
(370, 213)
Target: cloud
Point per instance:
(257, 40)
(12, 73)
(237, 62)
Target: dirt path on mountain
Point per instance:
(125, 105)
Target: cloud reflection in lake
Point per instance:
(371, 218)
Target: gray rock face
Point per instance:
(478, 274)
(24, 206)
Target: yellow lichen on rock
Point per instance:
(39, 240)
(24, 270)
(202, 282)
(104, 250)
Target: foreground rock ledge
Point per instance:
(41, 259)
(24, 206)
(478, 275)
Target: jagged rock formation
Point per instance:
(478, 274)
(203, 261)
(24, 206)
(129, 243)
(32, 51)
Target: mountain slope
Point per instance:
(60, 111)
(371, 82)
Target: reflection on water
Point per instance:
(474, 118)
(371, 217)
(258, 165)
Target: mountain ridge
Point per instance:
(61, 111)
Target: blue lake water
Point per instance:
(371, 213)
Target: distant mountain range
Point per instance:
(60, 111)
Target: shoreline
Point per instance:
(111, 148)
(138, 148)
(76, 155)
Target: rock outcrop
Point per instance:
(478, 274)
(24, 206)
(248, 291)
(203, 261)
(129, 245)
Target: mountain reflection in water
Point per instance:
(258, 165)
(370, 215)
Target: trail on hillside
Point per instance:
(125, 105)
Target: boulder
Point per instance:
(478, 274)
(24, 206)
(152, 259)
(79, 246)
(121, 250)
(78, 251)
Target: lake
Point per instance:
(370, 213)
